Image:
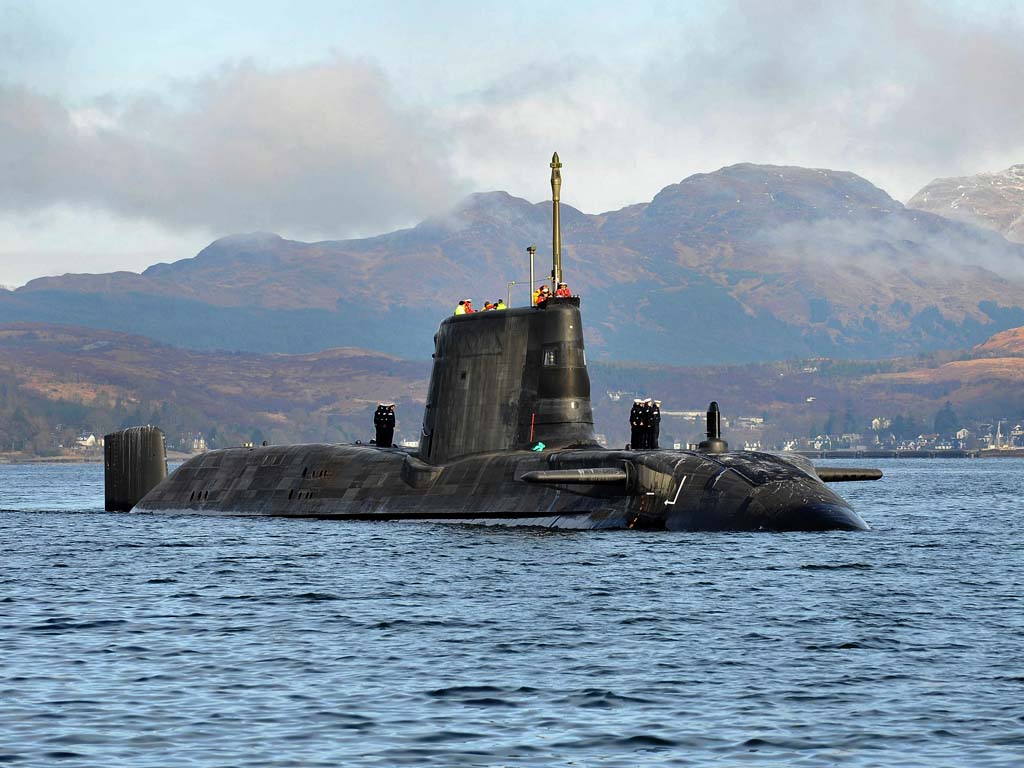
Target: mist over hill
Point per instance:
(749, 263)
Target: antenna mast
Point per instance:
(556, 222)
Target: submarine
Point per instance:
(507, 439)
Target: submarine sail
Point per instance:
(507, 381)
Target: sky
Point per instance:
(135, 133)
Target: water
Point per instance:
(132, 640)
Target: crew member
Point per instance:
(378, 423)
(461, 309)
(469, 307)
(543, 294)
(488, 306)
(646, 423)
(655, 423)
(384, 424)
(563, 291)
(634, 425)
(500, 304)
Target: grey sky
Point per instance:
(132, 134)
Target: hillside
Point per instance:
(100, 380)
(749, 263)
(991, 200)
(56, 381)
(1009, 343)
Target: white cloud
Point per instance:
(59, 239)
(898, 92)
(319, 149)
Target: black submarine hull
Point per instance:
(563, 489)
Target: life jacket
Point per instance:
(500, 305)
(460, 310)
(563, 292)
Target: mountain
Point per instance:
(991, 200)
(749, 263)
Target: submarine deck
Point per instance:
(646, 489)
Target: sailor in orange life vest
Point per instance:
(563, 291)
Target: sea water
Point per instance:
(153, 640)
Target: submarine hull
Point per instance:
(566, 489)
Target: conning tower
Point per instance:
(510, 379)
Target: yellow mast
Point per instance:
(556, 223)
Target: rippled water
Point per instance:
(154, 641)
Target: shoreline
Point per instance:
(22, 458)
(987, 453)
(982, 453)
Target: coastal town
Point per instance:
(946, 435)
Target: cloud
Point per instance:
(60, 239)
(319, 149)
(899, 92)
(906, 241)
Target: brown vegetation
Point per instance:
(98, 380)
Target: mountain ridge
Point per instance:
(750, 262)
